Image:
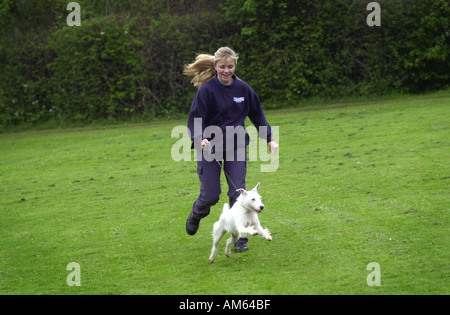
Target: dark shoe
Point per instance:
(240, 248)
(192, 225)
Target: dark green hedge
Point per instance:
(127, 57)
(306, 48)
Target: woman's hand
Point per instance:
(273, 147)
(204, 143)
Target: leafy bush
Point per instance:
(96, 70)
(126, 59)
(307, 48)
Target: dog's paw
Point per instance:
(267, 235)
(252, 232)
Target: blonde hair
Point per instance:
(203, 69)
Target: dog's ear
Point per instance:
(256, 187)
(242, 191)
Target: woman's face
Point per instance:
(225, 69)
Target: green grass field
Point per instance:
(358, 182)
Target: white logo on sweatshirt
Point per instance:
(239, 99)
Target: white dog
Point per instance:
(239, 221)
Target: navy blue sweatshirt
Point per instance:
(221, 105)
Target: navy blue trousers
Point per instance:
(209, 174)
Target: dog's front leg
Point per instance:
(266, 234)
(244, 231)
(263, 232)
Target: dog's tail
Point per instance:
(224, 211)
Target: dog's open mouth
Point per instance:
(257, 210)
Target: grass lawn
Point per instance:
(357, 183)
